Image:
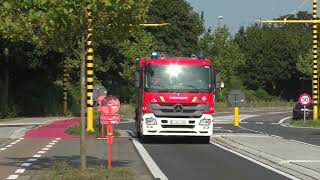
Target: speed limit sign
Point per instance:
(305, 99)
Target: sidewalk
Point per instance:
(295, 158)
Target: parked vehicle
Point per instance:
(297, 111)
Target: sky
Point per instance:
(238, 13)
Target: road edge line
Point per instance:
(256, 161)
(283, 120)
(153, 167)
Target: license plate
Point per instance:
(178, 122)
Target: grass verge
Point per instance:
(308, 123)
(61, 170)
(75, 130)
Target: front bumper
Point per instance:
(166, 127)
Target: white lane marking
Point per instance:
(20, 171)
(41, 152)
(58, 138)
(244, 122)
(224, 130)
(48, 146)
(3, 149)
(257, 162)
(283, 120)
(8, 146)
(250, 130)
(21, 138)
(217, 127)
(54, 141)
(32, 159)
(299, 161)
(14, 176)
(261, 123)
(304, 143)
(26, 164)
(45, 149)
(276, 136)
(13, 143)
(153, 167)
(37, 155)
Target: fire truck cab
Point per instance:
(175, 96)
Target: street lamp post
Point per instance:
(219, 19)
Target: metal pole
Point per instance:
(315, 76)
(304, 114)
(64, 85)
(89, 73)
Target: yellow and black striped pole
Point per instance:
(315, 75)
(89, 72)
(65, 88)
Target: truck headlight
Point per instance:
(205, 122)
(151, 121)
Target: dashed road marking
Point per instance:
(26, 164)
(13, 176)
(37, 155)
(261, 123)
(41, 152)
(3, 149)
(8, 146)
(32, 160)
(20, 171)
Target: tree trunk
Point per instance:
(83, 104)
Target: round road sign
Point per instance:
(305, 99)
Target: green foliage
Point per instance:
(308, 123)
(271, 54)
(304, 64)
(180, 38)
(223, 51)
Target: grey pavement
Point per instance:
(295, 158)
(124, 155)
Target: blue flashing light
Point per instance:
(154, 55)
(201, 55)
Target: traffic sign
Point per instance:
(305, 99)
(236, 97)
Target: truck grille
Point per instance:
(173, 110)
(178, 126)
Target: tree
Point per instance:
(223, 51)
(180, 38)
(271, 54)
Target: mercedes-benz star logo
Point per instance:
(178, 108)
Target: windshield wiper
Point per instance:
(194, 87)
(163, 88)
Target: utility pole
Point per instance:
(65, 87)
(315, 74)
(89, 59)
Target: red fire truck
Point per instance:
(175, 97)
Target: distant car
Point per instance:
(297, 111)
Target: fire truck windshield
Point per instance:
(178, 78)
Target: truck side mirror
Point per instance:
(217, 80)
(137, 79)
